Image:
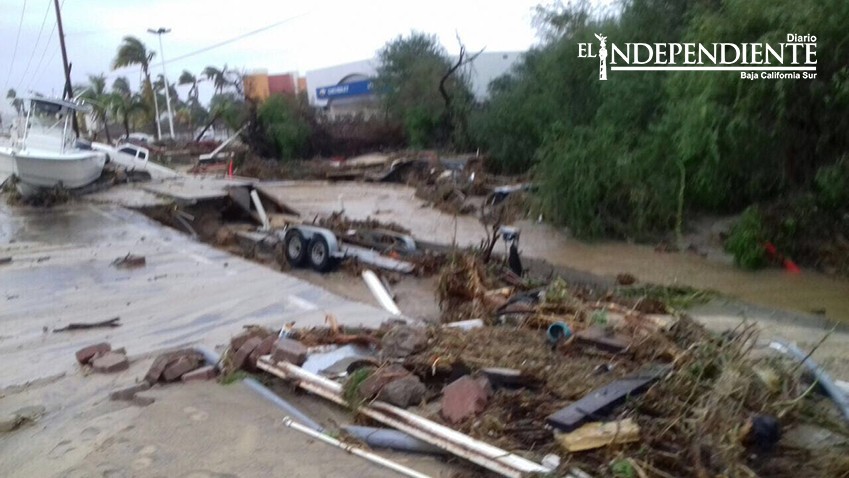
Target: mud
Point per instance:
(806, 293)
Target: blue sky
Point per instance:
(317, 34)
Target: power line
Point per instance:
(37, 41)
(37, 73)
(219, 44)
(15, 52)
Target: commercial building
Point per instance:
(348, 89)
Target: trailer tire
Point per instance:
(319, 254)
(295, 248)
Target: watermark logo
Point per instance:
(796, 58)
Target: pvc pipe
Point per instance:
(836, 394)
(287, 407)
(354, 450)
(459, 444)
(260, 210)
(380, 293)
(213, 358)
(392, 439)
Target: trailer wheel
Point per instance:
(319, 254)
(295, 248)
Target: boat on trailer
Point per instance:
(45, 152)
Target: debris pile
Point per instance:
(613, 387)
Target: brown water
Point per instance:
(774, 288)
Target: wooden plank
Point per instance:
(597, 337)
(600, 401)
(597, 435)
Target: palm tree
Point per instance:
(123, 103)
(95, 93)
(220, 78)
(133, 52)
(192, 99)
(187, 78)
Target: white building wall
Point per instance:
(485, 68)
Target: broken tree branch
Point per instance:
(114, 322)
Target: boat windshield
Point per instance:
(46, 116)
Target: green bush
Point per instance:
(282, 122)
(746, 240)
(832, 185)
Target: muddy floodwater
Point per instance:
(808, 292)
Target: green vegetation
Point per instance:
(421, 89)
(630, 156)
(285, 125)
(747, 239)
(351, 387)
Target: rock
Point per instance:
(244, 352)
(207, 372)
(403, 392)
(130, 392)
(239, 340)
(180, 367)
(403, 340)
(110, 362)
(288, 350)
(381, 377)
(156, 368)
(86, 354)
(164, 360)
(264, 348)
(464, 398)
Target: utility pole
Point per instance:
(159, 32)
(69, 92)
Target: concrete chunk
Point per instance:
(244, 352)
(464, 398)
(110, 362)
(264, 348)
(164, 360)
(86, 354)
(207, 372)
(180, 367)
(288, 350)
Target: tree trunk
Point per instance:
(212, 120)
(106, 130)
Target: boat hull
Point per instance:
(38, 169)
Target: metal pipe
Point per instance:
(392, 439)
(484, 454)
(266, 225)
(836, 394)
(354, 450)
(287, 407)
(213, 358)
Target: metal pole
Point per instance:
(156, 109)
(165, 77)
(69, 92)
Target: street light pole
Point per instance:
(159, 32)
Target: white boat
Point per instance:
(44, 152)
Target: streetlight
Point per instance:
(159, 32)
